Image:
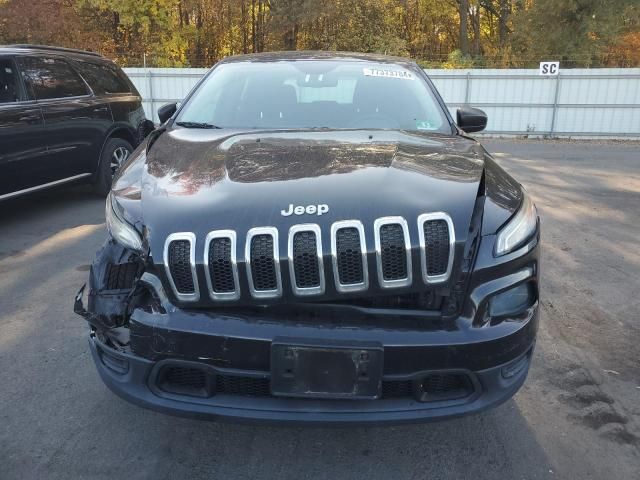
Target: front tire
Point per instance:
(114, 153)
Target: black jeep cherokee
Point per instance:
(310, 237)
(65, 116)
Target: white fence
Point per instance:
(580, 102)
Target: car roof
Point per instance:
(318, 55)
(47, 49)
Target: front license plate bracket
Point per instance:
(339, 371)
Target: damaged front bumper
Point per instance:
(220, 364)
(137, 380)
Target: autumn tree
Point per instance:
(435, 32)
(576, 32)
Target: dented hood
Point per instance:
(202, 180)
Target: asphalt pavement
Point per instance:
(578, 415)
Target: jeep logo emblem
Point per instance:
(319, 209)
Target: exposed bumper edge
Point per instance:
(133, 387)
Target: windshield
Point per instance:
(314, 94)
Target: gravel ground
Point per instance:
(578, 415)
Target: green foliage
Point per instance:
(572, 31)
(457, 60)
(498, 33)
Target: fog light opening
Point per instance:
(115, 364)
(514, 368)
(512, 301)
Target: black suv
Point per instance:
(65, 116)
(310, 237)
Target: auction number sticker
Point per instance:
(379, 72)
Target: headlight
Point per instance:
(519, 229)
(119, 228)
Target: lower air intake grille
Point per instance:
(220, 266)
(180, 266)
(397, 389)
(445, 386)
(393, 252)
(436, 236)
(244, 386)
(184, 381)
(202, 382)
(349, 256)
(263, 269)
(305, 260)
(192, 377)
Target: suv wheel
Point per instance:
(115, 152)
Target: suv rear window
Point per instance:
(104, 78)
(51, 78)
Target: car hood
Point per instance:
(203, 180)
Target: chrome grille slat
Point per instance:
(427, 246)
(262, 259)
(436, 236)
(221, 268)
(306, 267)
(169, 262)
(393, 252)
(341, 264)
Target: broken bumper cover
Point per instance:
(219, 364)
(138, 386)
(495, 360)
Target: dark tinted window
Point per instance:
(104, 78)
(51, 78)
(9, 91)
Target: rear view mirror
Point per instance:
(471, 119)
(166, 111)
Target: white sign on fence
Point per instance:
(549, 68)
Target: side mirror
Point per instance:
(471, 119)
(166, 111)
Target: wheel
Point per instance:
(114, 153)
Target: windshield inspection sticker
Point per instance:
(424, 125)
(377, 72)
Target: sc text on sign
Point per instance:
(549, 68)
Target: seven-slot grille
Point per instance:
(305, 258)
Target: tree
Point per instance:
(577, 32)
(505, 10)
(453, 33)
(463, 12)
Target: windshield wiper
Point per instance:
(196, 125)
